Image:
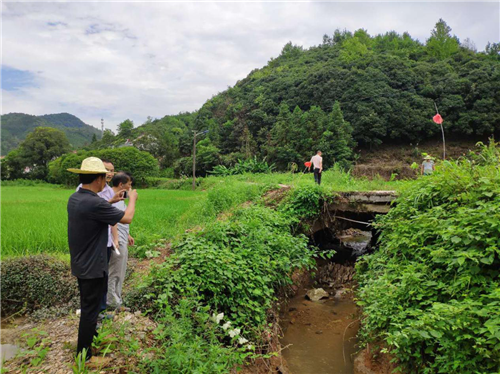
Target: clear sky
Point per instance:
(119, 60)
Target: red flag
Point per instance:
(307, 164)
(438, 119)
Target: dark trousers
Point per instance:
(103, 305)
(91, 291)
(317, 176)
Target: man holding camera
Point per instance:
(88, 219)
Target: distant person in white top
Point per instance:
(317, 164)
(427, 167)
(121, 240)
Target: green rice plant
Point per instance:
(34, 219)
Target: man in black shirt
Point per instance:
(88, 220)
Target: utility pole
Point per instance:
(194, 155)
(102, 127)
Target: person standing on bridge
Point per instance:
(317, 164)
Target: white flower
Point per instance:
(217, 318)
(250, 347)
(226, 325)
(242, 340)
(233, 333)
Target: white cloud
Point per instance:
(132, 60)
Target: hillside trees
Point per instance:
(125, 129)
(32, 157)
(383, 89)
(441, 44)
(386, 85)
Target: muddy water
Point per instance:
(320, 336)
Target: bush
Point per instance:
(432, 291)
(251, 165)
(140, 164)
(34, 282)
(208, 274)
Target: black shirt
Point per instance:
(88, 220)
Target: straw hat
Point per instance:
(427, 157)
(91, 165)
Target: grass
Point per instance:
(34, 219)
(332, 180)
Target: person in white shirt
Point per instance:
(317, 163)
(427, 167)
(121, 240)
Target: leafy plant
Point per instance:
(251, 165)
(37, 344)
(431, 292)
(29, 283)
(208, 271)
(79, 364)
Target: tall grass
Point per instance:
(334, 179)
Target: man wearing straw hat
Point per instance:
(88, 220)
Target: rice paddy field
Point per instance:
(34, 218)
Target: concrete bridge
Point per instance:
(363, 202)
(353, 209)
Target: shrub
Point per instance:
(139, 163)
(251, 165)
(208, 272)
(432, 291)
(32, 282)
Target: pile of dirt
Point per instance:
(394, 160)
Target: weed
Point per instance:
(431, 292)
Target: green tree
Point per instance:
(441, 44)
(336, 142)
(140, 164)
(125, 129)
(493, 49)
(108, 138)
(40, 147)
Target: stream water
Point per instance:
(320, 336)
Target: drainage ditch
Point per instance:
(321, 321)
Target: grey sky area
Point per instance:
(132, 60)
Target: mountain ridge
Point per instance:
(16, 126)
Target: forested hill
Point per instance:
(15, 127)
(351, 90)
(386, 86)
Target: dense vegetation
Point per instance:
(139, 163)
(213, 312)
(35, 152)
(430, 294)
(352, 88)
(16, 126)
